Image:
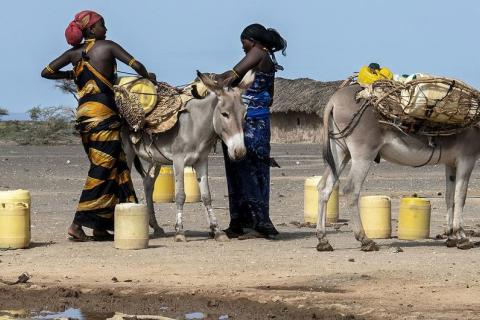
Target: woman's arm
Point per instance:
(51, 71)
(249, 62)
(122, 55)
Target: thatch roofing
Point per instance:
(302, 95)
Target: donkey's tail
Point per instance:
(138, 165)
(327, 149)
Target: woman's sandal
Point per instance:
(253, 234)
(103, 236)
(76, 238)
(232, 234)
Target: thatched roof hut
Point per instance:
(302, 95)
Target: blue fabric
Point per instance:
(257, 98)
(248, 180)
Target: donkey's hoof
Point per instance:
(221, 236)
(451, 242)
(158, 233)
(324, 245)
(464, 244)
(369, 246)
(180, 237)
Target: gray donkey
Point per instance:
(351, 134)
(188, 143)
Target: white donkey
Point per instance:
(354, 133)
(188, 143)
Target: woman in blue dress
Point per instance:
(248, 180)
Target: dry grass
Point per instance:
(302, 95)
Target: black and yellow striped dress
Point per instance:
(108, 181)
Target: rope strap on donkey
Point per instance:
(345, 132)
(428, 105)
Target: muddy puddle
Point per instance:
(78, 314)
(70, 313)
(129, 304)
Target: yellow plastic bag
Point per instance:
(366, 77)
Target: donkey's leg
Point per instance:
(358, 173)
(127, 146)
(464, 170)
(324, 193)
(325, 188)
(201, 169)
(449, 199)
(178, 168)
(148, 185)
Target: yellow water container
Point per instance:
(164, 189)
(192, 189)
(414, 219)
(310, 211)
(14, 219)
(143, 88)
(18, 195)
(131, 226)
(375, 213)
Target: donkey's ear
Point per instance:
(247, 80)
(211, 84)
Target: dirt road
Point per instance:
(252, 279)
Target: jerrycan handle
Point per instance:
(6, 205)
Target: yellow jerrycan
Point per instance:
(14, 219)
(376, 216)
(192, 189)
(414, 219)
(145, 90)
(131, 226)
(164, 189)
(310, 211)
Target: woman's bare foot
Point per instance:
(77, 234)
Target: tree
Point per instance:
(35, 113)
(67, 86)
(60, 113)
(3, 112)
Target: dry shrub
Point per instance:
(51, 125)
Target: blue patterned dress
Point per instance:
(248, 180)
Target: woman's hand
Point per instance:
(226, 79)
(230, 79)
(152, 77)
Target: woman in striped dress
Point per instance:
(97, 120)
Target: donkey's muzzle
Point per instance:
(236, 147)
(239, 153)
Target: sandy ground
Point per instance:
(252, 279)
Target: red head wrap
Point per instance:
(83, 20)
